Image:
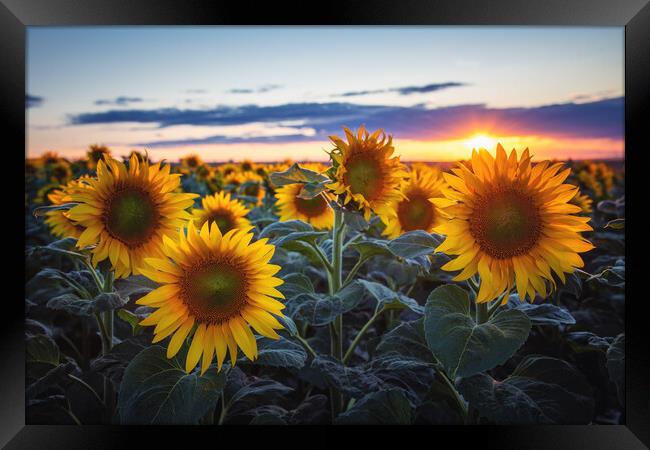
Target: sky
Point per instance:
(271, 93)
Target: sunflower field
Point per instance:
(361, 291)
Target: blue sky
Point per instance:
(235, 92)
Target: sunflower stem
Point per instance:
(495, 306)
(353, 271)
(107, 319)
(308, 347)
(321, 256)
(482, 314)
(336, 329)
(459, 400)
(362, 331)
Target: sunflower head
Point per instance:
(191, 162)
(365, 171)
(216, 286)
(48, 158)
(59, 220)
(96, 153)
(416, 210)
(511, 221)
(247, 166)
(127, 211)
(220, 208)
(249, 184)
(583, 201)
(315, 211)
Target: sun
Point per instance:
(481, 141)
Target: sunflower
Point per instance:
(59, 220)
(365, 172)
(315, 211)
(95, 154)
(248, 166)
(511, 222)
(583, 201)
(226, 212)
(221, 283)
(246, 183)
(416, 211)
(190, 163)
(126, 212)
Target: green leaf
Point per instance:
(412, 374)
(296, 174)
(389, 299)
(540, 390)
(406, 339)
(616, 366)
(156, 390)
(132, 320)
(616, 224)
(83, 307)
(386, 407)
(280, 353)
(463, 346)
(311, 190)
(611, 276)
(321, 309)
(113, 363)
(542, 313)
(352, 381)
(55, 376)
(586, 341)
(414, 243)
(259, 392)
(294, 284)
(372, 247)
(279, 229)
(289, 324)
(280, 233)
(42, 349)
(43, 210)
(134, 285)
(354, 220)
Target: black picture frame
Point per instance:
(634, 15)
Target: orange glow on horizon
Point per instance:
(409, 150)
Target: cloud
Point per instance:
(259, 90)
(406, 90)
(119, 101)
(33, 101)
(195, 91)
(599, 119)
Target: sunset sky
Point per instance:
(274, 93)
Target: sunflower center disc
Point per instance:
(223, 219)
(252, 189)
(215, 291)
(415, 213)
(131, 216)
(313, 207)
(364, 176)
(505, 225)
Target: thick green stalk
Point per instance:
(337, 267)
(336, 328)
(482, 314)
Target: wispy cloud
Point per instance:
(119, 101)
(258, 90)
(405, 90)
(599, 119)
(32, 101)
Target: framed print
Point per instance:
(370, 215)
